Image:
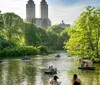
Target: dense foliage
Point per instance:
(85, 34)
(56, 37)
(44, 50)
(31, 36)
(18, 51)
(12, 26)
(19, 38)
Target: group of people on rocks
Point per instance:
(75, 80)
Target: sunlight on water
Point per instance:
(18, 72)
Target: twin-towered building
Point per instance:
(43, 21)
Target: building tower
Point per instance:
(43, 21)
(44, 9)
(0, 18)
(44, 14)
(30, 10)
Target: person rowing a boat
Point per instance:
(54, 81)
(51, 68)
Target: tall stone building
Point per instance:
(0, 18)
(43, 21)
(30, 10)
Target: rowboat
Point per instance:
(50, 71)
(25, 58)
(58, 56)
(87, 68)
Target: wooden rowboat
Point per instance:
(87, 68)
(50, 72)
(58, 56)
(25, 58)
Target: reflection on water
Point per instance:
(18, 72)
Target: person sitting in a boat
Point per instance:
(51, 68)
(26, 57)
(86, 64)
(55, 69)
(82, 64)
(76, 80)
(58, 55)
(54, 81)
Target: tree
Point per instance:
(53, 33)
(13, 25)
(57, 36)
(43, 35)
(85, 33)
(53, 40)
(1, 21)
(63, 38)
(33, 20)
(31, 35)
(55, 28)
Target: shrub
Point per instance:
(18, 51)
(44, 50)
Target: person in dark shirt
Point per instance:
(76, 80)
(54, 81)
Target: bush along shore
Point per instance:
(23, 50)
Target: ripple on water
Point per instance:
(31, 73)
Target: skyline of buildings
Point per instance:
(67, 10)
(44, 20)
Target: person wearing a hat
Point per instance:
(54, 81)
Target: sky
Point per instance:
(66, 10)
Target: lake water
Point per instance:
(18, 72)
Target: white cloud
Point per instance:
(56, 13)
(68, 14)
(17, 6)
